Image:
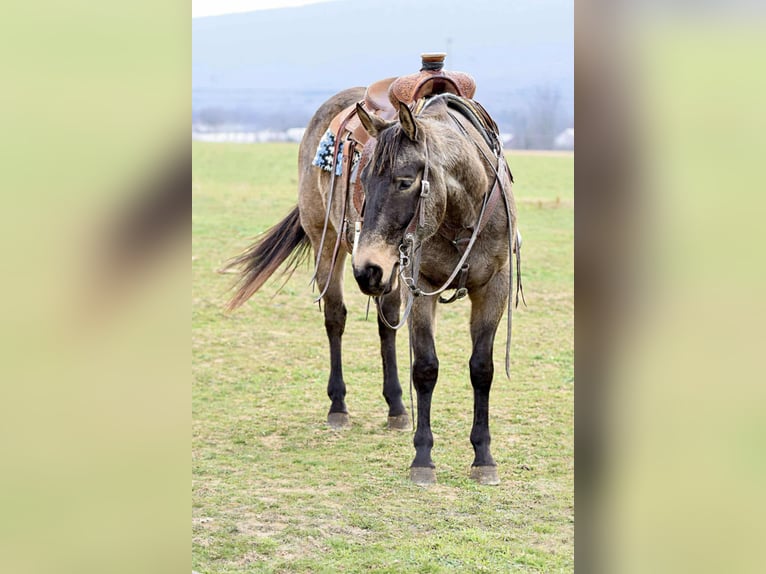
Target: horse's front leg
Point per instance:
(425, 371)
(398, 419)
(487, 306)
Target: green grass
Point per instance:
(275, 490)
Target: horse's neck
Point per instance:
(465, 193)
(467, 182)
(461, 208)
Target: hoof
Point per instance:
(422, 475)
(486, 475)
(400, 422)
(338, 421)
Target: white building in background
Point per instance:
(233, 135)
(263, 136)
(565, 140)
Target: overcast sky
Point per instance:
(216, 7)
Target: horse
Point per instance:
(431, 221)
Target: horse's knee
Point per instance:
(335, 319)
(482, 370)
(425, 371)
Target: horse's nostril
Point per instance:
(375, 273)
(369, 278)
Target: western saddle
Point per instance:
(382, 97)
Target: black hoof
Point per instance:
(486, 475)
(400, 422)
(338, 421)
(422, 475)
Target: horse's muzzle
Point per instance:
(370, 279)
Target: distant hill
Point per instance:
(276, 66)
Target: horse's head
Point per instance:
(392, 183)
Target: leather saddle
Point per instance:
(382, 97)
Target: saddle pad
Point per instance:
(323, 157)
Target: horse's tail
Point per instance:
(287, 240)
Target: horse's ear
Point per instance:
(408, 121)
(373, 125)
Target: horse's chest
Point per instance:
(439, 261)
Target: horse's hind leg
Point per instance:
(335, 324)
(398, 419)
(487, 306)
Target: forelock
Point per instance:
(389, 143)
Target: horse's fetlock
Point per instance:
(480, 437)
(423, 440)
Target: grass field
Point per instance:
(276, 490)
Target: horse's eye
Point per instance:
(403, 184)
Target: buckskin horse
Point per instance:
(421, 196)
